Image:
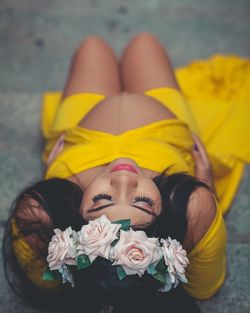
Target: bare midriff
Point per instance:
(124, 111)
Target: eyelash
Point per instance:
(137, 199)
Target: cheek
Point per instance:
(140, 218)
(86, 202)
(154, 193)
(84, 208)
(96, 187)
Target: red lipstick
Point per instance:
(124, 166)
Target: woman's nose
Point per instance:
(124, 181)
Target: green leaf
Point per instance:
(161, 266)
(151, 269)
(168, 284)
(160, 277)
(121, 273)
(125, 224)
(83, 261)
(113, 243)
(49, 275)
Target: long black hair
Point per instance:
(59, 201)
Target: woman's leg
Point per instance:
(130, 109)
(94, 68)
(145, 65)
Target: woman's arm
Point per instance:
(205, 242)
(205, 238)
(203, 168)
(202, 205)
(201, 212)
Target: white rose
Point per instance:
(135, 251)
(175, 258)
(95, 238)
(62, 248)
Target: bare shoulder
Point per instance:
(201, 211)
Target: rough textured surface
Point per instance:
(37, 39)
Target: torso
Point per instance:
(117, 114)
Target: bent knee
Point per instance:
(89, 43)
(143, 41)
(144, 37)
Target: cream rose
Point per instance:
(135, 251)
(95, 238)
(175, 258)
(62, 249)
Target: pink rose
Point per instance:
(62, 249)
(175, 258)
(95, 238)
(135, 251)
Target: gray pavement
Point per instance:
(37, 39)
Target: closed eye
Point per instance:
(101, 196)
(111, 204)
(108, 197)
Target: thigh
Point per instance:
(94, 68)
(145, 65)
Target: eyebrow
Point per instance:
(108, 205)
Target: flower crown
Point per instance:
(132, 252)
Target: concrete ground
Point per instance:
(37, 39)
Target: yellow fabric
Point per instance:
(214, 104)
(85, 148)
(217, 91)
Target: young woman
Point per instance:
(127, 142)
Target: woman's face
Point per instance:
(122, 190)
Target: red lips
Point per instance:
(126, 167)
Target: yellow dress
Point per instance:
(214, 104)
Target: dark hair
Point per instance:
(98, 285)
